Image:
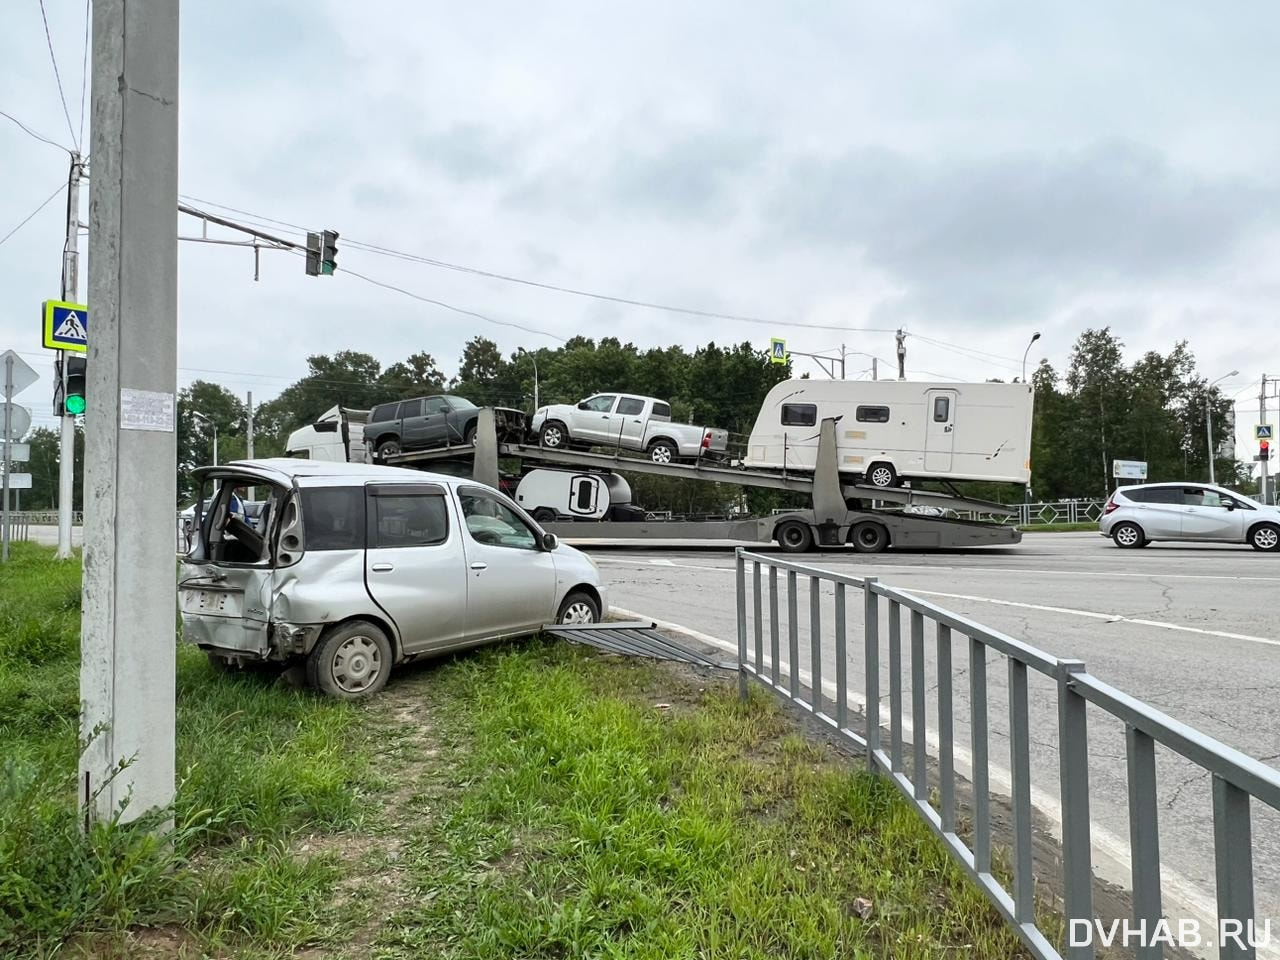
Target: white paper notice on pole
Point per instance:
(146, 410)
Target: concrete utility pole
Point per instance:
(248, 448)
(1208, 419)
(6, 380)
(130, 592)
(902, 354)
(875, 369)
(70, 292)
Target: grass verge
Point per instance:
(526, 801)
(1091, 526)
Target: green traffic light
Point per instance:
(75, 405)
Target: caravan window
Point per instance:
(799, 414)
(941, 409)
(872, 414)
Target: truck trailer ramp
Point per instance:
(637, 639)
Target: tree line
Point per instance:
(1096, 410)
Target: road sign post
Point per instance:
(17, 375)
(130, 592)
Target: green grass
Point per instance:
(527, 801)
(572, 817)
(258, 765)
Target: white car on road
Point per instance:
(353, 568)
(1138, 515)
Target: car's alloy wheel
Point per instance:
(1265, 538)
(552, 435)
(1127, 535)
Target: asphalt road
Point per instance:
(1188, 629)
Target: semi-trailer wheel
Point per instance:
(794, 536)
(869, 537)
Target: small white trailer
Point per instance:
(551, 495)
(890, 430)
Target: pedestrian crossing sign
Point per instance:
(66, 326)
(1263, 431)
(777, 351)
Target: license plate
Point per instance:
(212, 601)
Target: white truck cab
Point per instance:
(337, 436)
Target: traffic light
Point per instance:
(1264, 449)
(71, 372)
(322, 253)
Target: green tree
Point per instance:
(202, 407)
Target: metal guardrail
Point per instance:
(1237, 779)
(1062, 511)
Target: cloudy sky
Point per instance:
(973, 172)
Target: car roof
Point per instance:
(330, 473)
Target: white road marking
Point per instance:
(1177, 888)
(1095, 615)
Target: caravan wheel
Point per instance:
(882, 475)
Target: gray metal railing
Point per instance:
(1063, 511)
(1237, 779)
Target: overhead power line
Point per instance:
(31, 133)
(61, 186)
(58, 77)
(384, 251)
(84, 67)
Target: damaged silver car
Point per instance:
(353, 568)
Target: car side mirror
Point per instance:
(1229, 504)
(550, 541)
(582, 405)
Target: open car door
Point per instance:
(227, 584)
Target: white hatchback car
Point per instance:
(352, 568)
(1135, 516)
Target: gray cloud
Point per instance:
(1004, 233)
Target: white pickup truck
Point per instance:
(628, 422)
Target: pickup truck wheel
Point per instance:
(388, 448)
(869, 537)
(553, 435)
(882, 475)
(351, 662)
(663, 451)
(794, 536)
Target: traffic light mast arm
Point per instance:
(321, 249)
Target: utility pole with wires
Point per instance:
(1263, 488)
(902, 354)
(248, 444)
(70, 291)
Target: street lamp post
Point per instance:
(1034, 338)
(1208, 418)
(201, 416)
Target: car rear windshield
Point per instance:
(333, 518)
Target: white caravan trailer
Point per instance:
(889, 430)
(337, 436)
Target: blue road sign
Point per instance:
(66, 326)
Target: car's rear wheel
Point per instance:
(869, 537)
(662, 451)
(1265, 536)
(554, 435)
(388, 448)
(351, 662)
(470, 436)
(1128, 536)
(794, 536)
(579, 607)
